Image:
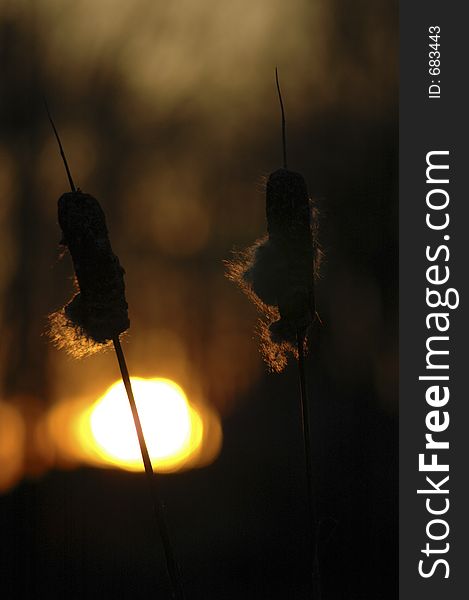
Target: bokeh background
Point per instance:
(168, 113)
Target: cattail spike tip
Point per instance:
(62, 153)
(284, 127)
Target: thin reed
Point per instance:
(97, 315)
(278, 274)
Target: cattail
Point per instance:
(97, 315)
(278, 273)
(279, 270)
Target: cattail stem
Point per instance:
(62, 153)
(171, 564)
(312, 510)
(284, 126)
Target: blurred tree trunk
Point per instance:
(25, 304)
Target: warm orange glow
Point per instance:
(11, 445)
(172, 429)
(178, 434)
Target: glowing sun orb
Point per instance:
(171, 427)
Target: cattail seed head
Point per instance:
(278, 271)
(98, 311)
(289, 226)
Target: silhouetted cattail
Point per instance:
(278, 271)
(97, 313)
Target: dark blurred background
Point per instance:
(168, 113)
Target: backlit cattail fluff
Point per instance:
(278, 271)
(97, 313)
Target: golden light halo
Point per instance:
(179, 434)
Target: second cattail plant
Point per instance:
(278, 271)
(278, 274)
(97, 315)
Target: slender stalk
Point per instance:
(158, 506)
(62, 153)
(171, 564)
(284, 126)
(312, 510)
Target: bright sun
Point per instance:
(172, 429)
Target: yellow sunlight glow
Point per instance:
(172, 428)
(179, 434)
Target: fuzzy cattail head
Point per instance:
(98, 311)
(277, 273)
